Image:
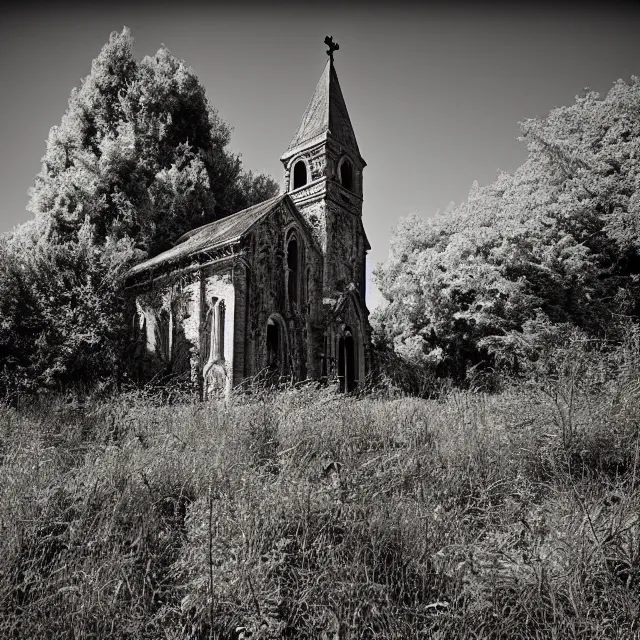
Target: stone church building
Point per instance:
(276, 290)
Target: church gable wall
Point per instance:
(280, 288)
(314, 213)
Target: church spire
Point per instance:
(326, 116)
(323, 177)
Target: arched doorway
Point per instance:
(276, 348)
(347, 361)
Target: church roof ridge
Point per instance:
(326, 114)
(212, 235)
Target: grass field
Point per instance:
(306, 514)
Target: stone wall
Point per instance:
(243, 316)
(263, 285)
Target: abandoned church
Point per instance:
(277, 289)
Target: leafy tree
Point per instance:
(140, 152)
(62, 308)
(21, 322)
(553, 246)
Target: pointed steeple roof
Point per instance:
(325, 115)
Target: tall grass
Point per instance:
(305, 514)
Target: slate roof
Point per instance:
(326, 113)
(210, 236)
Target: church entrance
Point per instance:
(347, 362)
(276, 349)
(273, 345)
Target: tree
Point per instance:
(140, 152)
(551, 247)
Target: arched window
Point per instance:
(276, 346)
(347, 377)
(214, 374)
(216, 350)
(346, 175)
(299, 174)
(164, 332)
(139, 325)
(292, 269)
(220, 323)
(214, 340)
(273, 345)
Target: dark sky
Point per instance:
(435, 93)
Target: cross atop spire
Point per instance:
(326, 116)
(332, 46)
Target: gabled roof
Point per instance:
(210, 236)
(326, 114)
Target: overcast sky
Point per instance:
(435, 94)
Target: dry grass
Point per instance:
(309, 515)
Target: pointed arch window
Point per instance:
(216, 314)
(293, 264)
(217, 334)
(300, 177)
(276, 346)
(347, 368)
(346, 174)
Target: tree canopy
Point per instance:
(140, 152)
(550, 248)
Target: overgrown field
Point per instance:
(305, 514)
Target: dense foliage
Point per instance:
(139, 158)
(551, 249)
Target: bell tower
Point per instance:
(323, 176)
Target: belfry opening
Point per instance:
(346, 175)
(299, 174)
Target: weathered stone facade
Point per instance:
(277, 289)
